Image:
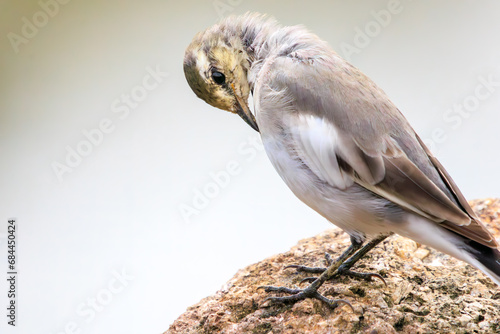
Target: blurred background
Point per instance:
(134, 199)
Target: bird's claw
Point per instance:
(308, 280)
(341, 271)
(366, 276)
(301, 294)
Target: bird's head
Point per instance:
(216, 70)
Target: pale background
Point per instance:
(120, 208)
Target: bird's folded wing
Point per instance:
(338, 160)
(342, 127)
(476, 228)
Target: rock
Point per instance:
(427, 292)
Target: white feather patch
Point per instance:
(317, 142)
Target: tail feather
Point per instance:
(488, 259)
(424, 231)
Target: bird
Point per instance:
(338, 142)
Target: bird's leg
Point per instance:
(312, 290)
(340, 266)
(344, 269)
(355, 245)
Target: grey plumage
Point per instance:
(335, 137)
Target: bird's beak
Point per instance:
(244, 112)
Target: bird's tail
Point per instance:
(424, 231)
(486, 259)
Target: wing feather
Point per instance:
(347, 131)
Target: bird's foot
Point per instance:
(296, 295)
(343, 270)
(340, 266)
(365, 276)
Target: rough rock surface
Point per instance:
(427, 292)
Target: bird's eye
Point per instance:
(218, 78)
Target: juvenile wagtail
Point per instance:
(338, 142)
